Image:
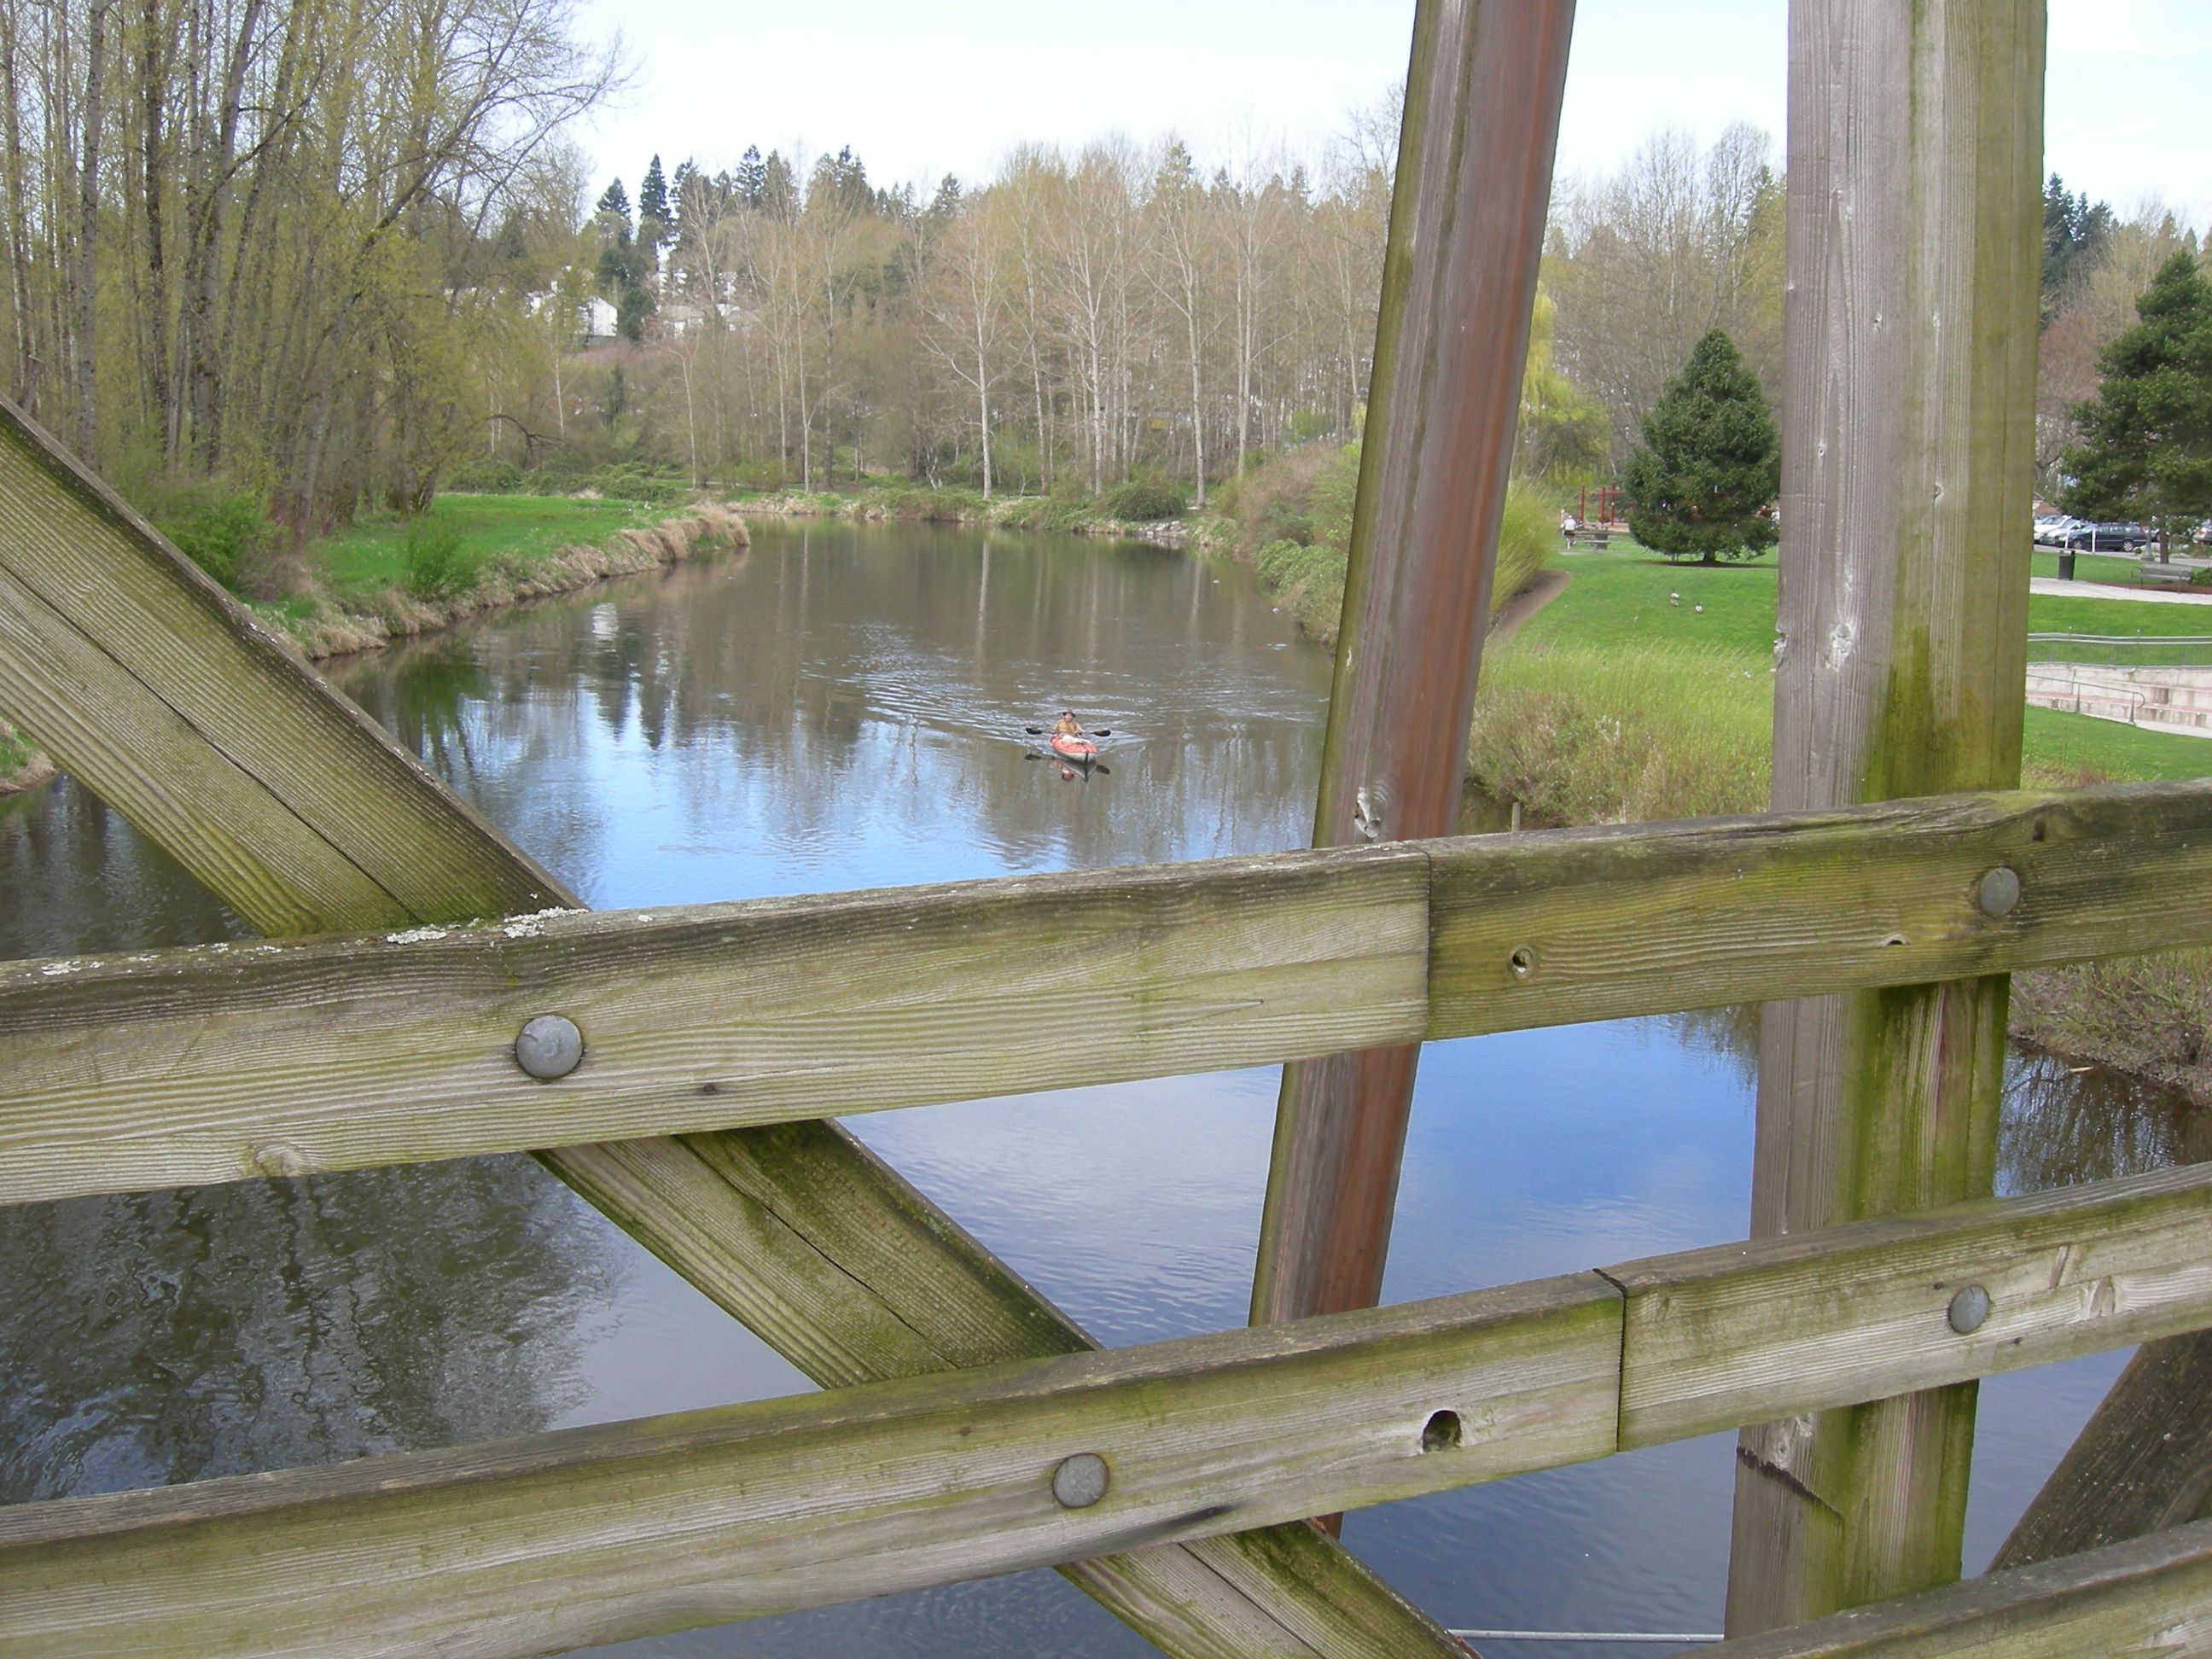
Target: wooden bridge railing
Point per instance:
(160, 1068)
(593, 1534)
(987, 1438)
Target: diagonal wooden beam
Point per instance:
(1467, 227)
(153, 688)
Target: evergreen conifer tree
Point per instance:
(653, 193)
(655, 222)
(614, 202)
(1705, 483)
(2146, 448)
(750, 178)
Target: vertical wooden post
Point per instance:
(1467, 227)
(1914, 246)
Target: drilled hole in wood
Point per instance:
(1522, 962)
(1440, 1432)
(2038, 831)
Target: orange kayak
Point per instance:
(1081, 750)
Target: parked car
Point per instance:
(2082, 538)
(2051, 529)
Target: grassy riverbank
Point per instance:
(386, 577)
(1616, 705)
(471, 554)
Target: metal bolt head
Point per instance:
(1080, 1480)
(550, 1046)
(1970, 1309)
(2000, 891)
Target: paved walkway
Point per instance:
(2107, 591)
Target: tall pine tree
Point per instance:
(1705, 483)
(656, 217)
(2146, 448)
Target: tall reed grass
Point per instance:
(1588, 735)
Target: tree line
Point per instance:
(280, 240)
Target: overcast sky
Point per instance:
(921, 90)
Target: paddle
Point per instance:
(1040, 730)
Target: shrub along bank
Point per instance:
(1290, 520)
(1614, 705)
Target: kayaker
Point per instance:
(1068, 726)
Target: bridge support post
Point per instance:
(1915, 153)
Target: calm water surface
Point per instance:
(843, 708)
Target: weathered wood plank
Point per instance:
(1466, 226)
(1605, 923)
(164, 1067)
(599, 1534)
(2127, 1601)
(280, 1059)
(760, 1220)
(1914, 252)
(84, 574)
(1780, 1326)
(2142, 1463)
(247, 843)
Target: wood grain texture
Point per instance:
(1914, 249)
(303, 816)
(762, 1220)
(2153, 1596)
(1781, 1327)
(1467, 227)
(604, 1533)
(1637, 919)
(160, 1067)
(228, 1060)
(84, 574)
(2142, 1463)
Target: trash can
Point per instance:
(2065, 564)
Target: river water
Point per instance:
(843, 707)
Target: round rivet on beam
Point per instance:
(1999, 891)
(1080, 1480)
(1970, 1309)
(550, 1046)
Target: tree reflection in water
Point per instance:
(2063, 1124)
(154, 1338)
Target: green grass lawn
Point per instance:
(1617, 601)
(1620, 599)
(370, 555)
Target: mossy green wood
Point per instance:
(286, 1059)
(618, 1532)
(156, 1068)
(1914, 248)
(150, 684)
(603, 1533)
(160, 693)
(2151, 1596)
